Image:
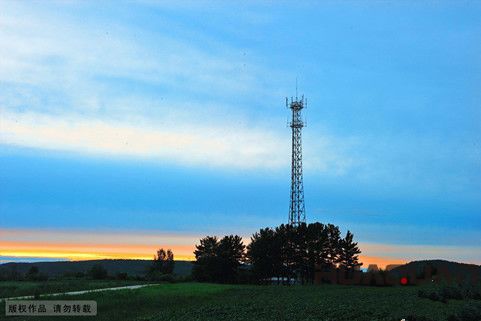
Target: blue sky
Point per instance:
(162, 117)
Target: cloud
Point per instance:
(188, 144)
(226, 144)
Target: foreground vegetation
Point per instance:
(197, 301)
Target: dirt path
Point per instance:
(128, 287)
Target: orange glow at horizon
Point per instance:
(76, 256)
(79, 245)
(90, 245)
(381, 262)
(79, 252)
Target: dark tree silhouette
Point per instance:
(300, 259)
(264, 253)
(317, 250)
(231, 253)
(206, 266)
(218, 261)
(164, 261)
(333, 245)
(284, 253)
(348, 254)
(207, 247)
(298, 251)
(284, 234)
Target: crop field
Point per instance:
(196, 301)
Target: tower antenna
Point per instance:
(296, 88)
(297, 211)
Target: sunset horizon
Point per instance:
(141, 246)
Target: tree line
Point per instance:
(282, 254)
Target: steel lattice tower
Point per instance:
(297, 212)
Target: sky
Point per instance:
(129, 126)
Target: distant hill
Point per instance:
(439, 267)
(59, 268)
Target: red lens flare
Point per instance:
(404, 280)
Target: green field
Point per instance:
(195, 301)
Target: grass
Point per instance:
(195, 301)
(24, 288)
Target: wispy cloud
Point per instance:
(224, 145)
(187, 144)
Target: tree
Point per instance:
(164, 261)
(206, 266)
(207, 247)
(348, 254)
(230, 253)
(300, 260)
(317, 249)
(286, 252)
(284, 235)
(333, 245)
(218, 261)
(294, 251)
(264, 254)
